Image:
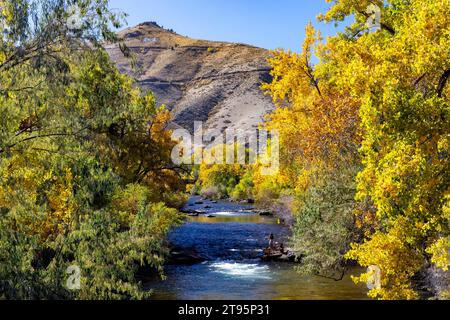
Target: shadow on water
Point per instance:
(232, 242)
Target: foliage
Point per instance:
(217, 178)
(244, 189)
(84, 160)
(222, 178)
(400, 77)
(325, 225)
(383, 93)
(319, 140)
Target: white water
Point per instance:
(226, 214)
(242, 270)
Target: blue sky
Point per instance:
(269, 24)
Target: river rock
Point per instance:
(193, 214)
(287, 256)
(185, 256)
(264, 213)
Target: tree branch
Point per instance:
(341, 277)
(38, 137)
(382, 25)
(419, 79)
(309, 73)
(443, 82)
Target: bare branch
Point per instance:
(443, 82)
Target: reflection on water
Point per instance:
(232, 242)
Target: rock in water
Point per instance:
(184, 256)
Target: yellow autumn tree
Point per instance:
(378, 103)
(319, 131)
(400, 74)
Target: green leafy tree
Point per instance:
(84, 159)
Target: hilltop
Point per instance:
(214, 82)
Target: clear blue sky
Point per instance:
(269, 24)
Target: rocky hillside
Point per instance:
(214, 82)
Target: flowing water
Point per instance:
(232, 243)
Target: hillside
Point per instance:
(214, 82)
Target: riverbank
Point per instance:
(280, 209)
